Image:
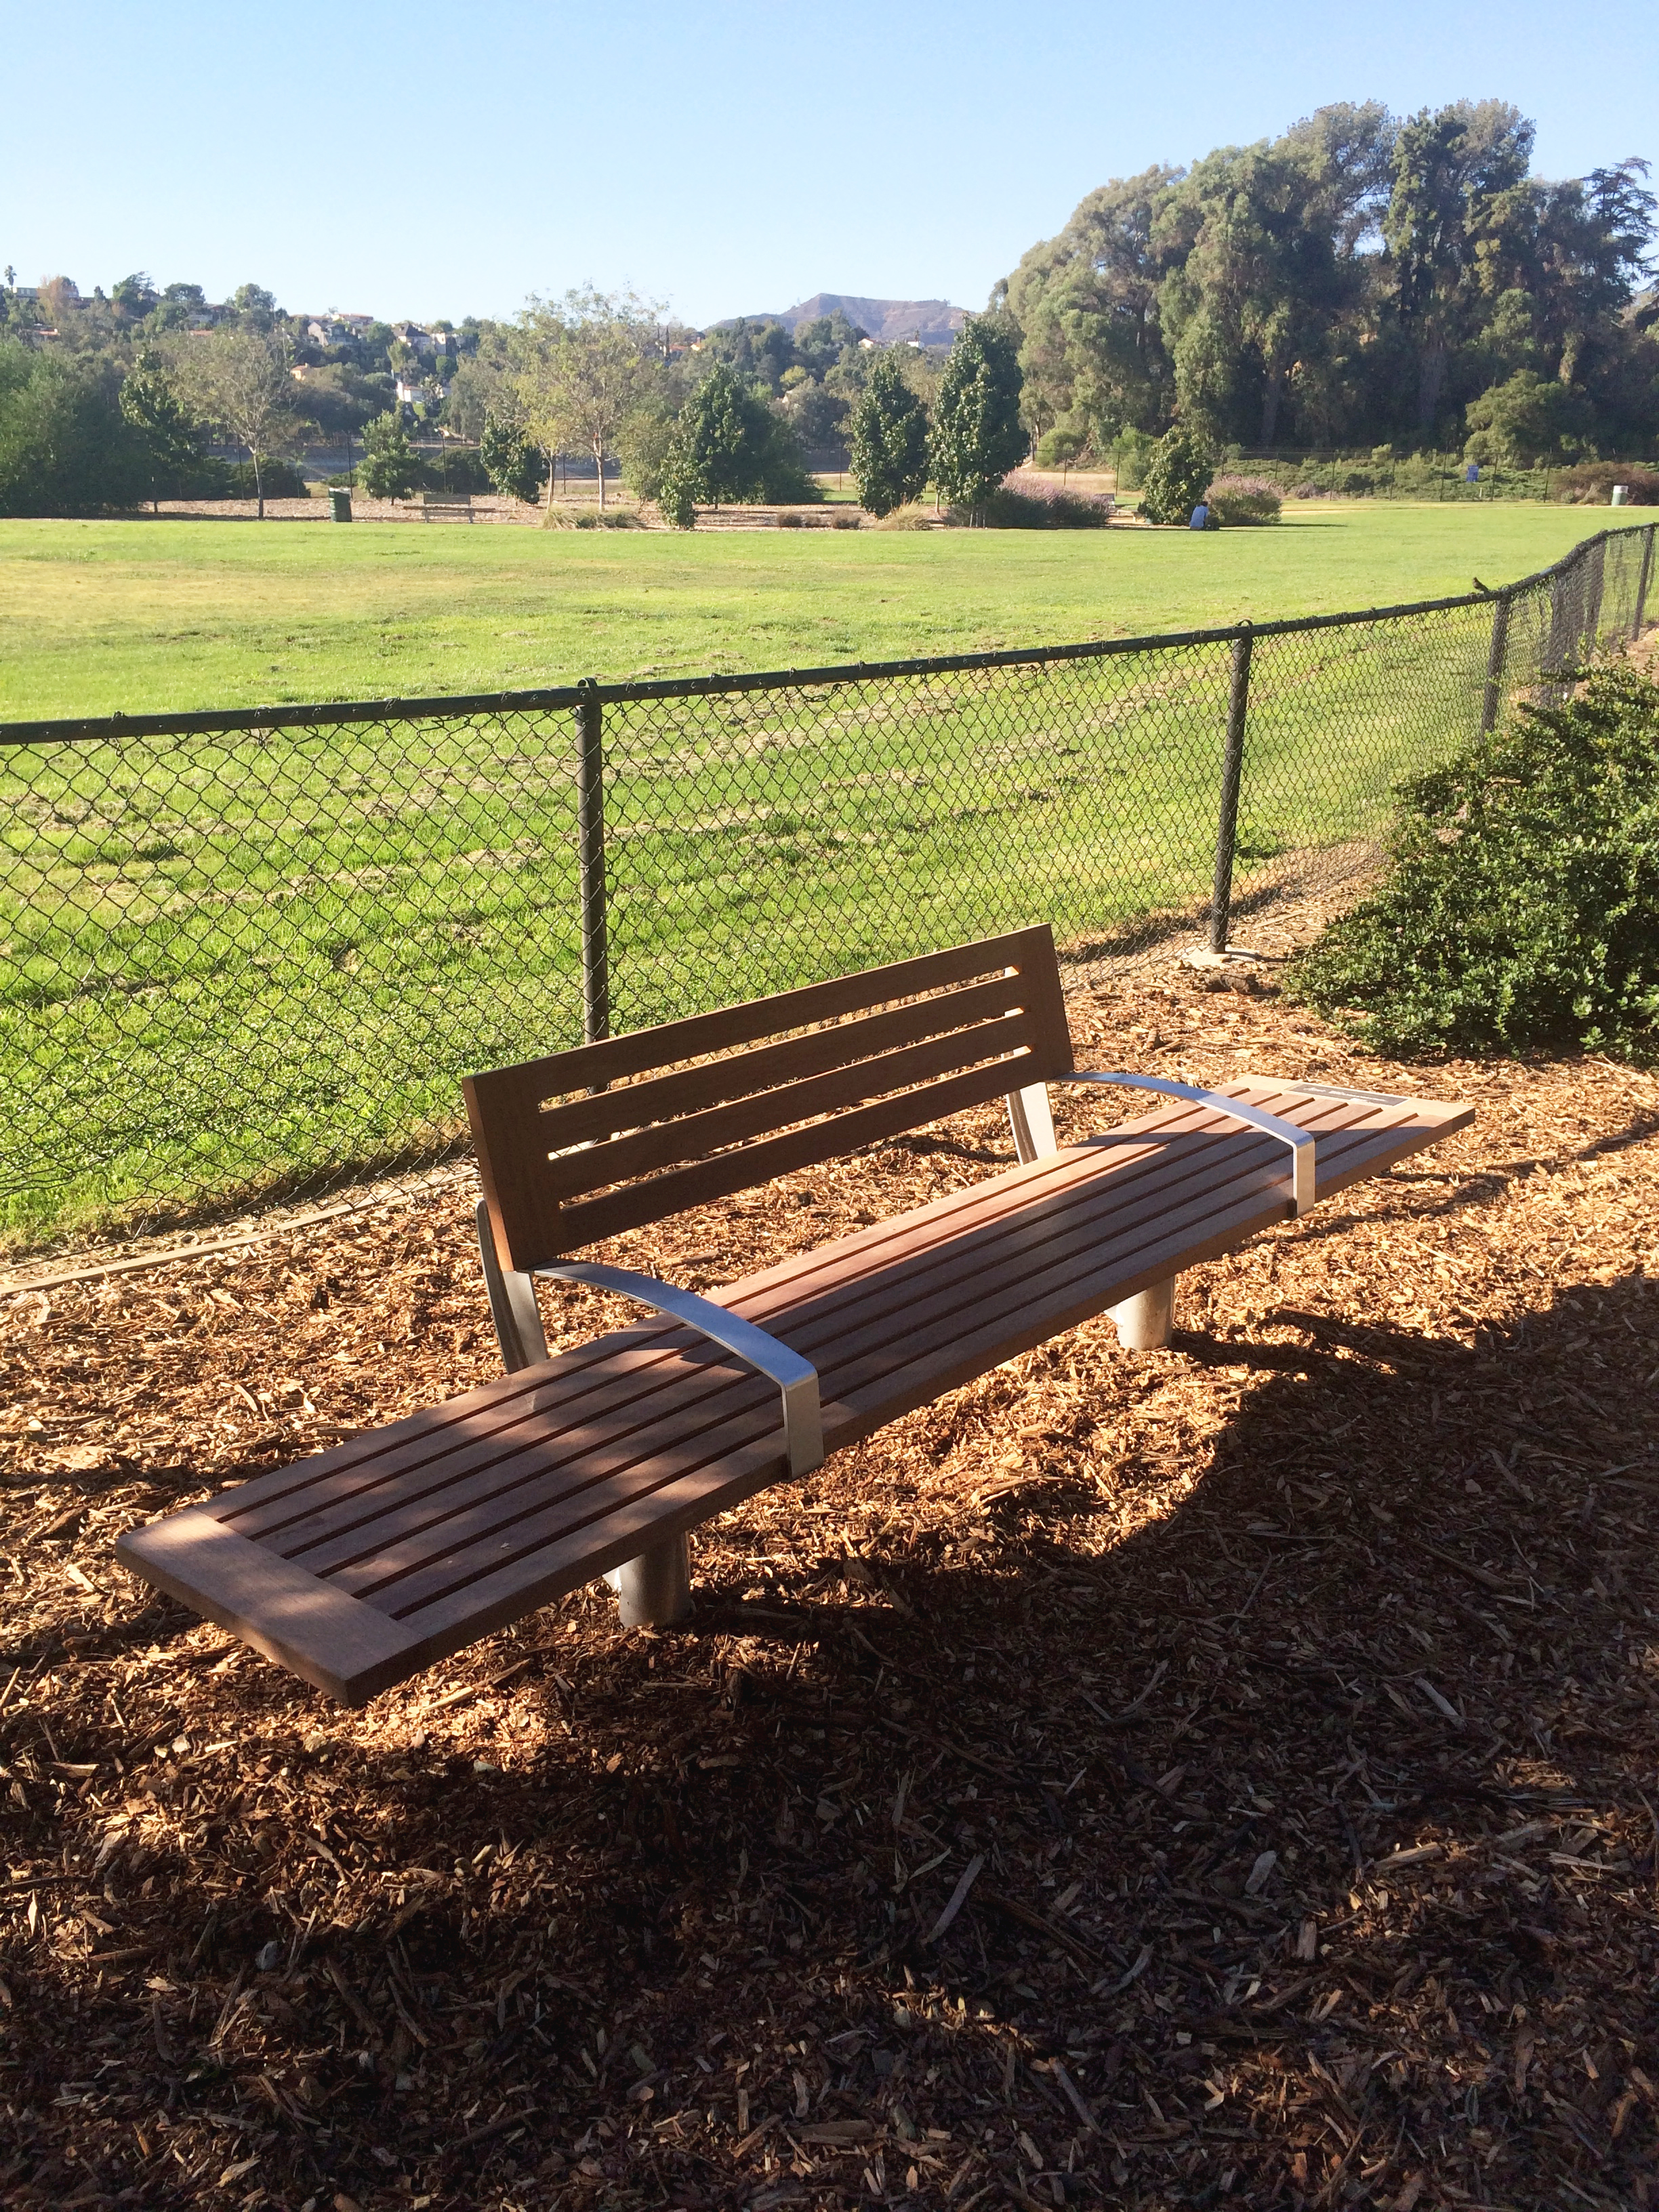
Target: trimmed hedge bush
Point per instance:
(1235, 500)
(1522, 907)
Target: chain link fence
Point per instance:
(249, 955)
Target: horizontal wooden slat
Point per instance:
(1020, 1277)
(1029, 953)
(590, 1220)
(941, 1308)
(512, 1136)
(969, 1248)
(344, 1648)
(687, 1091)
(985, 1048)
(1008, 1327)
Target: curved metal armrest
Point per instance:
(797, 1378)
(1301, 1141)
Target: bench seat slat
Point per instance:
(443, 1464)
(535, 1415)
(861, 1353)
(388, 1553)
(571, 1457)
(1136, 1188)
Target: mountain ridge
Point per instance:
(890, 322)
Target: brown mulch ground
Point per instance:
(1216, 1776)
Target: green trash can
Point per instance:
(339, 501)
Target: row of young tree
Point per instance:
(708, 425)
(1362, 280)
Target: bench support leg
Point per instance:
(654, 1590)
(1031, 1123)
(1146, 1322)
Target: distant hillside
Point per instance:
(932, 322)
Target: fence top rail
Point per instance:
(322, 715)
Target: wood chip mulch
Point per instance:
(1216, 1776)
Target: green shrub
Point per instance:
(1241, 500)
(1037, 506)
(1521, 908)
(890, 439)
(280, 478)
(1059, 444)
(1176, 477)
(389, 468)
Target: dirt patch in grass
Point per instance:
(1216, 1775)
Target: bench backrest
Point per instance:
(586, 1143)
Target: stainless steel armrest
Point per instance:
(1301, 1141)
(797, 1378)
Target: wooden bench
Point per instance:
(365, 1564)
(447, 506)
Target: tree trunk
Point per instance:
(552, 479)
(1431, 377)
(259, 483)
(599, 460)
(1271, 394)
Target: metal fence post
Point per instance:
(1497, 653)
(1596, 565)
(589, 850)
(1232, 770)
(1641, 586)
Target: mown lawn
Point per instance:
(243, 963)
(149, 616)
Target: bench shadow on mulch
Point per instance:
(1298, 1844)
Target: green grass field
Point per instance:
(244, 964)
(148, 617)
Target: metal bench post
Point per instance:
(654, 1590)
(1145, 1322)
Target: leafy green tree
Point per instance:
(241, 380)
(890, 440)
(1177, 476)
(64, 446)
(514, 464)
(1257, 286)
(676, 491)
(1527, 419)
(254, 306)
(584, 364)
(731, 446)
(133, 297)
(643, 447)
(1458, 194)
(389, 469)
(170, 434)
(1092, 348)
(977, 436)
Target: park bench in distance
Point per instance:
(451, 505)
(359, 1567)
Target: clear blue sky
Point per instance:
(414, 159)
